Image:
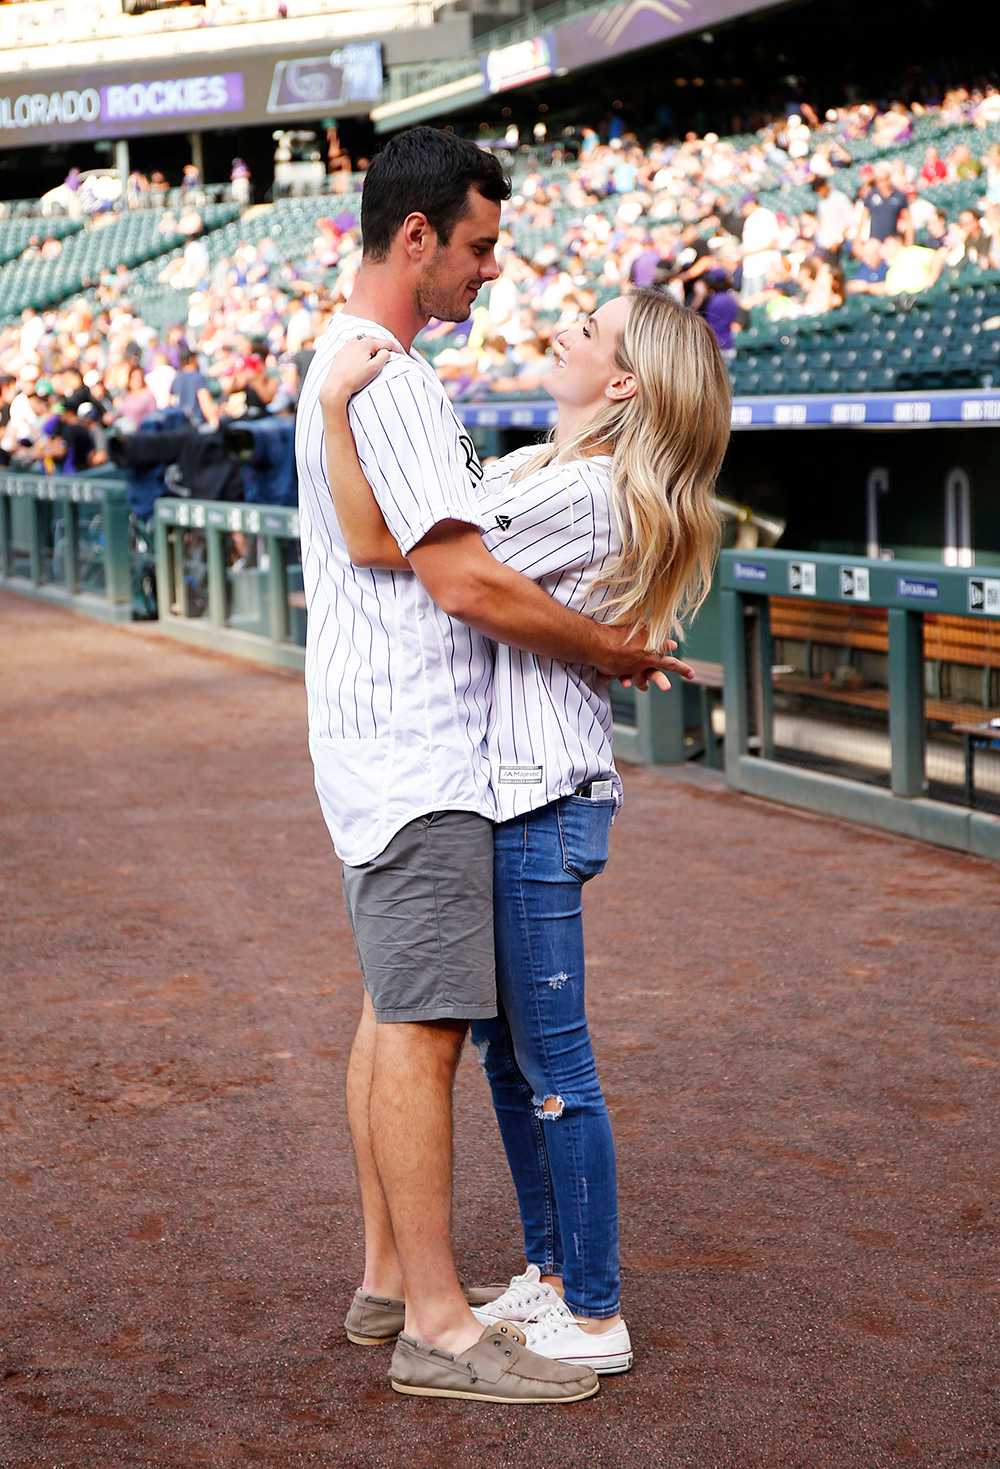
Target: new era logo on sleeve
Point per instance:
(503, 521)
(984, 595)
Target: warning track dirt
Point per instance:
(797, 1028)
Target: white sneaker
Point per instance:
(555, 1333)
(523, 1297)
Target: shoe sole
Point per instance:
(616, 1364)
(369, 1341)
(482, 1397)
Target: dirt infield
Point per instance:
(797, 1026)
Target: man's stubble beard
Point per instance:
(433, 300)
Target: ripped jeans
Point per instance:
(537, 1054)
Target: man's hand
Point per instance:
(631, 660)
(469, 584)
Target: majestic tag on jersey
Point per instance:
(520, 775)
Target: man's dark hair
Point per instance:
(76, 400)
(429, 172)
(188, 356)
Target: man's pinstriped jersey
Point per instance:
(550, 723)
(398, 692)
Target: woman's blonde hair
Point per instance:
(667, 444)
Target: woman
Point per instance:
(137, 401)
(615, 519)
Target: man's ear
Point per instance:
(621, 387)
(417, 235)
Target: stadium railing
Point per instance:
(204, 594)
(833, 696)
(66, 539)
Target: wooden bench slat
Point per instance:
(972, 642)
(940, 711)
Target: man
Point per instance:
(191, 392)
(8, 392)
(761, 234)
(885, 206)
(974, 243)
(300, 326)
(835, 214)
(871, 273)
(32, 331)
(692, 258)
(397, 675)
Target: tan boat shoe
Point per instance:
(498, 1368)
(374, 1320)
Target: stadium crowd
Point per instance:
(792, 221)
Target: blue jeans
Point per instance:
(537, 1053)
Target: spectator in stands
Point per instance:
(934, 234)
(834, 213)
(136, 189)
(885, 205)
(692, 257)
(872, 271)
(338, 161)
(934, 169)
(160, 378)
(722, 310)
(961, 163)
(192, 393)
(191, 194)
(26, 413)
(67, 440)
(32, 332)
(760, 239)
(8, 392)
(249, 389)
(912, 269)
(974, 245)
(71, 184)
(137, 401)
(239, 178)
(299, 327)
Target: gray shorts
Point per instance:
(422, 915)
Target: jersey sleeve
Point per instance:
(554, 521)
(421, 466)
(496, 474)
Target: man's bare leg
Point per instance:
(411, 1116)
(383, 1276)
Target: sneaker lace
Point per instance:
(552, 1319)
(518, 1295)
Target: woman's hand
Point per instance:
(353, 368)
